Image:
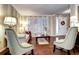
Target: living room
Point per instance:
(37, 27)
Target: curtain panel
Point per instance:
(38, 25)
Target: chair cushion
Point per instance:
(60, 41)
(23, 35)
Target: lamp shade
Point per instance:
(10, 21)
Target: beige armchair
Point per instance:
(15, 47)
(69, 42)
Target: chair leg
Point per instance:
(68, 52)
(32, 52)
(54, 48)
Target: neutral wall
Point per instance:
(8, 10)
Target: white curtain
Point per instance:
(38, 24)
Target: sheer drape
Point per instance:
(38, 25)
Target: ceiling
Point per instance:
(40, 9)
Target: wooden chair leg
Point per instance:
(32, 52)
(54, 48)
(68, 52)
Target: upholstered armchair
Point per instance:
(69, 42)
(15, 47)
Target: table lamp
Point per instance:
(10, 21)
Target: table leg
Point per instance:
(34, 41)
(51, 40)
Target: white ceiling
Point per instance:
(40, 9)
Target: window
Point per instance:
(38, 24)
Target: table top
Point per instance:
(42, 36)
(52, 36)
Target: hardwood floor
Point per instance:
(43, 50)
(48, 50)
